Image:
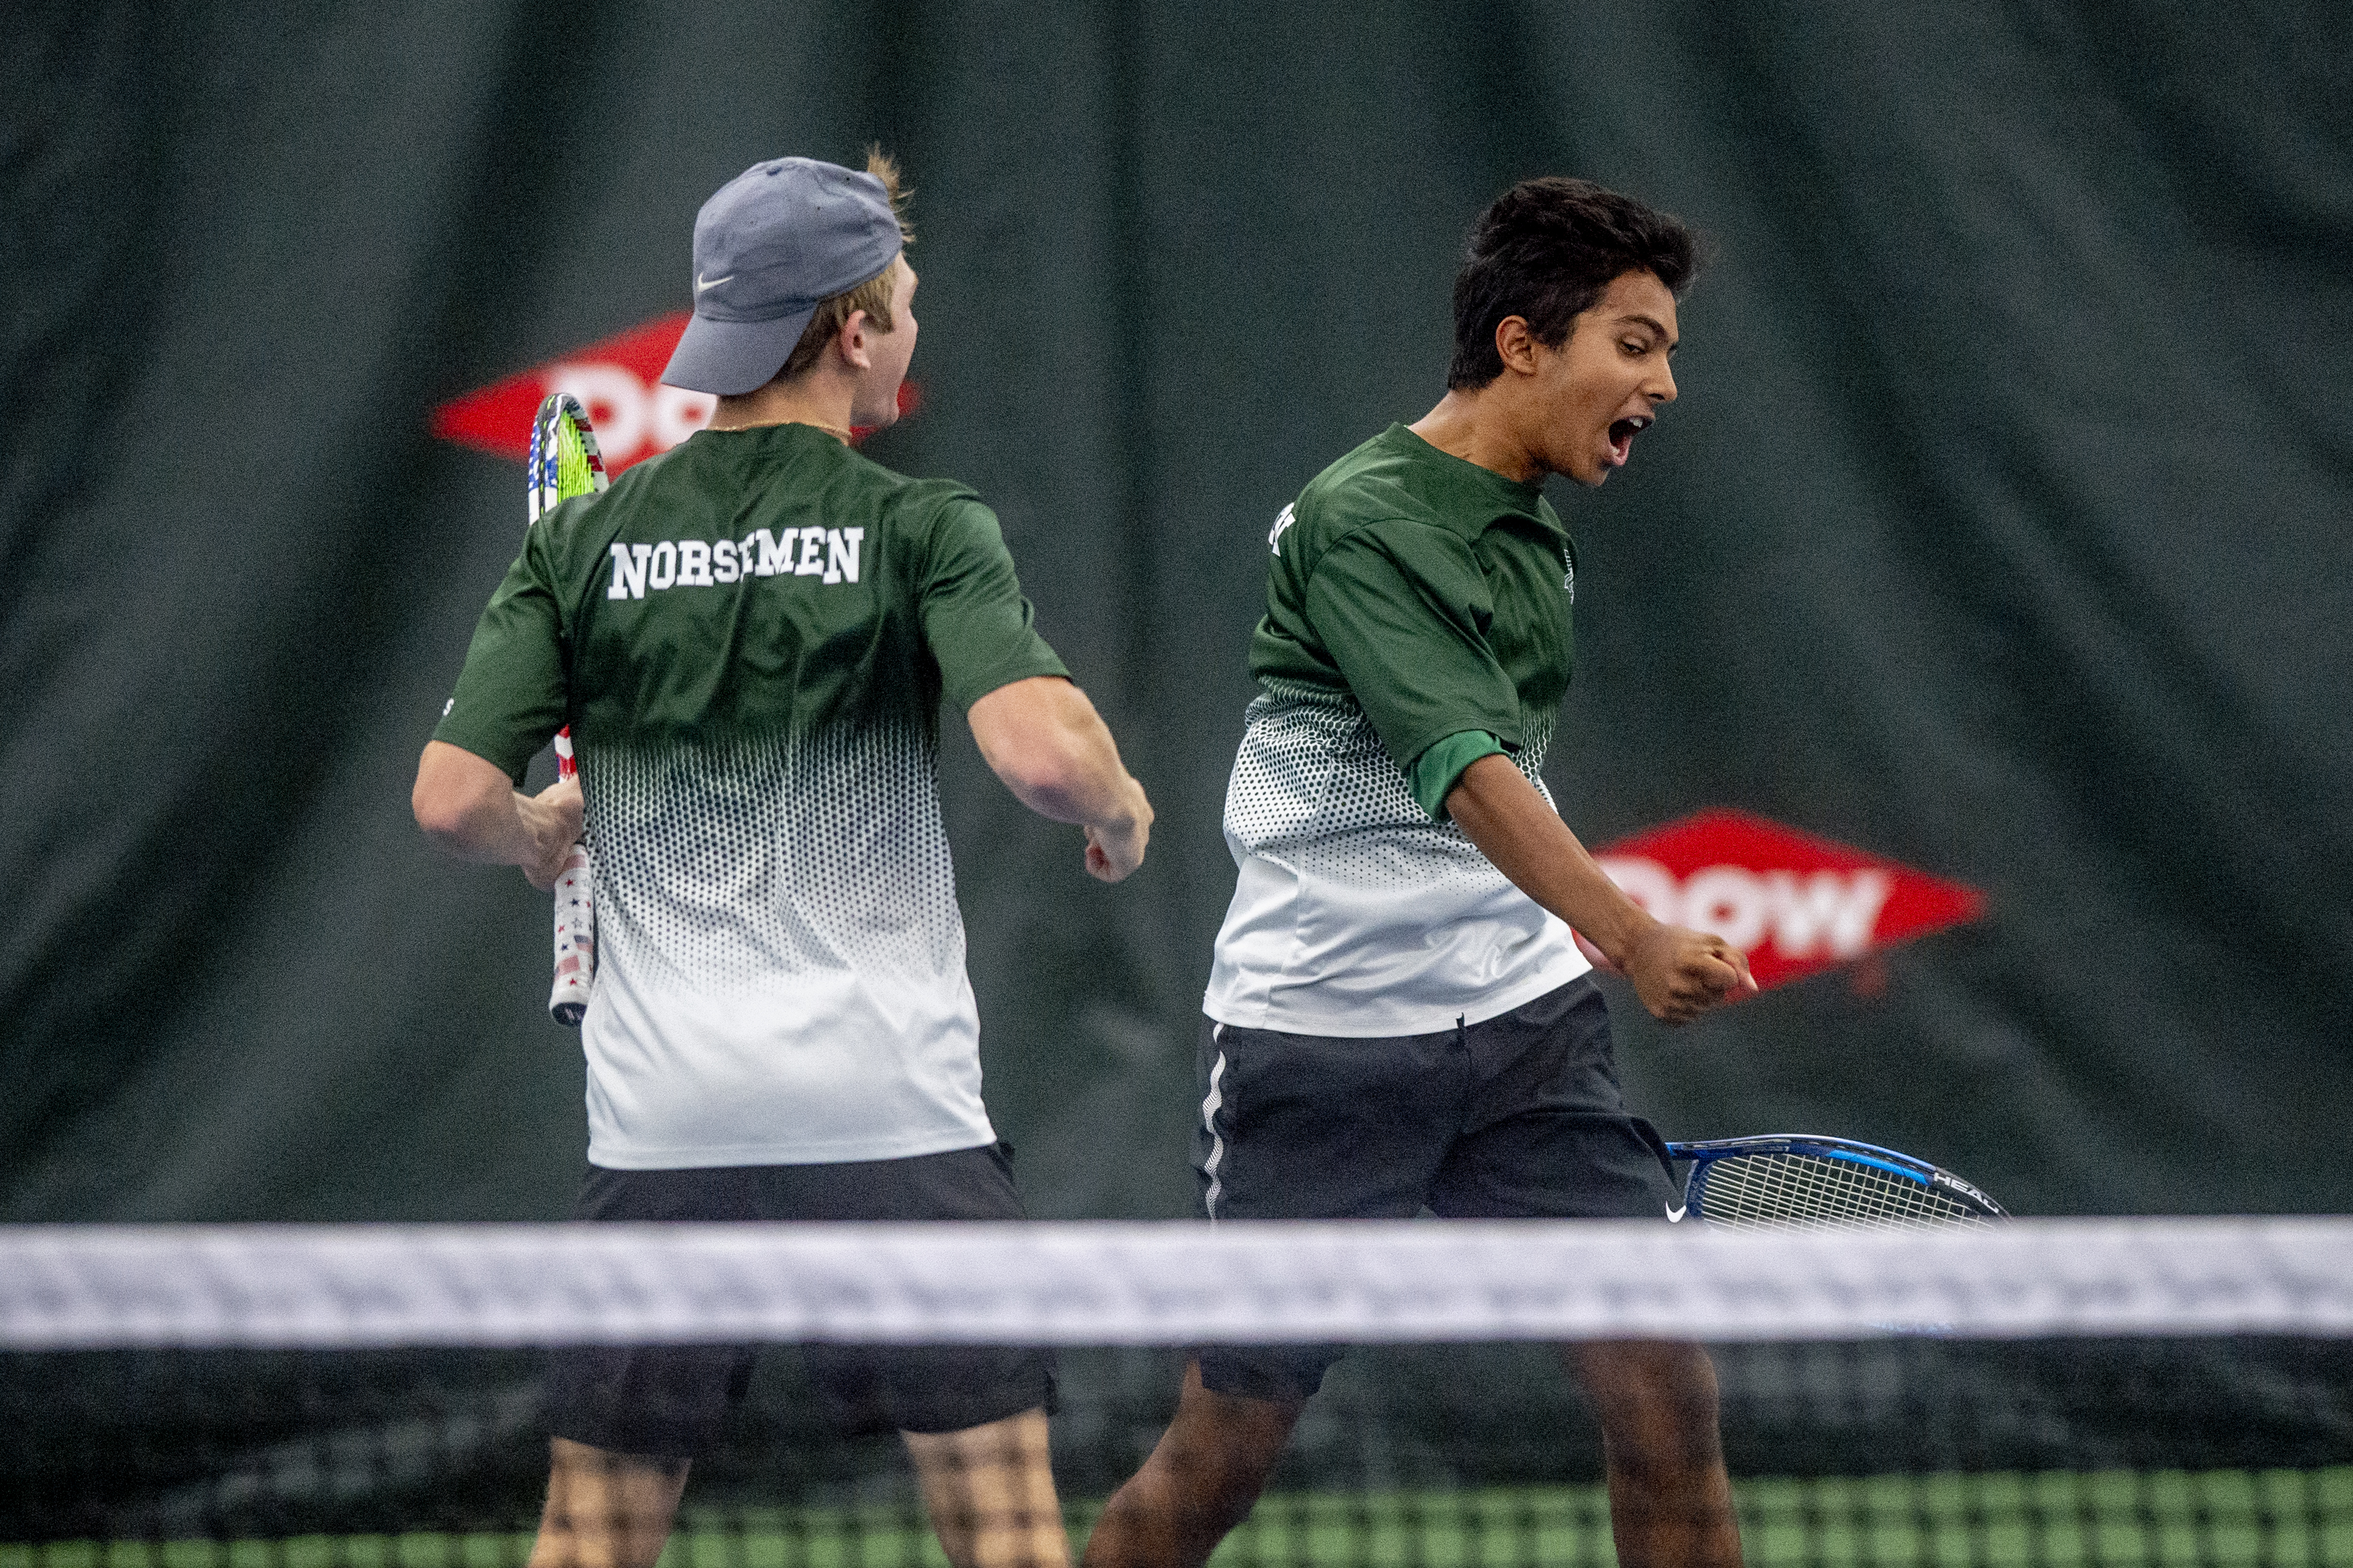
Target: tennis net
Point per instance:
(2042, 1393)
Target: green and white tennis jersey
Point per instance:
(1416, 619)
(750, 637)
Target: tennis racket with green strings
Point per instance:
(564, 463)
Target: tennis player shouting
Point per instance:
(1402, 1014)
(750, 637)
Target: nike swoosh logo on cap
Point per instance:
(1675, 1215)
(701, 282)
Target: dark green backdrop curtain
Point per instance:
(2001, 529)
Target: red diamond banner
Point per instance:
(617, 382)
(1795, 903)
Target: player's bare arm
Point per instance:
(469, 807)
(1045, 740)
(1678, 973)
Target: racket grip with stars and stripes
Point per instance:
(576, 919)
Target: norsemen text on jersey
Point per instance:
(828, 554)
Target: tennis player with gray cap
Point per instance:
(750, 637)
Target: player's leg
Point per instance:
(973, 1417)
(1670, 1500)
(605, 1510)
(1550, 1137)
(625, 1420)
(990, 1493)
(1202, 1479)
(1290, 1127)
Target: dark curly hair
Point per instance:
(1545, 250)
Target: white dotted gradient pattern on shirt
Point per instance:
(1314, 790)
(725, 865)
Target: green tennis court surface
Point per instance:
(2066, 1520)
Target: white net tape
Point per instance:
(65, 1287)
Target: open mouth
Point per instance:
(1621, 438)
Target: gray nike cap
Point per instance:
(768, 246)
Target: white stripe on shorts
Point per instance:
(1216, 1097)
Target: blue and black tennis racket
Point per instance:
(1799, 1182)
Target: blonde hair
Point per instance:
(873, 296)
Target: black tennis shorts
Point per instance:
(668, 1401)
(1516, 1116)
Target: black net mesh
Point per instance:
(1901, 1450)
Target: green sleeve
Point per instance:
(975, 618)
(1403, 609)
(1434, 771)
(510, 698)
